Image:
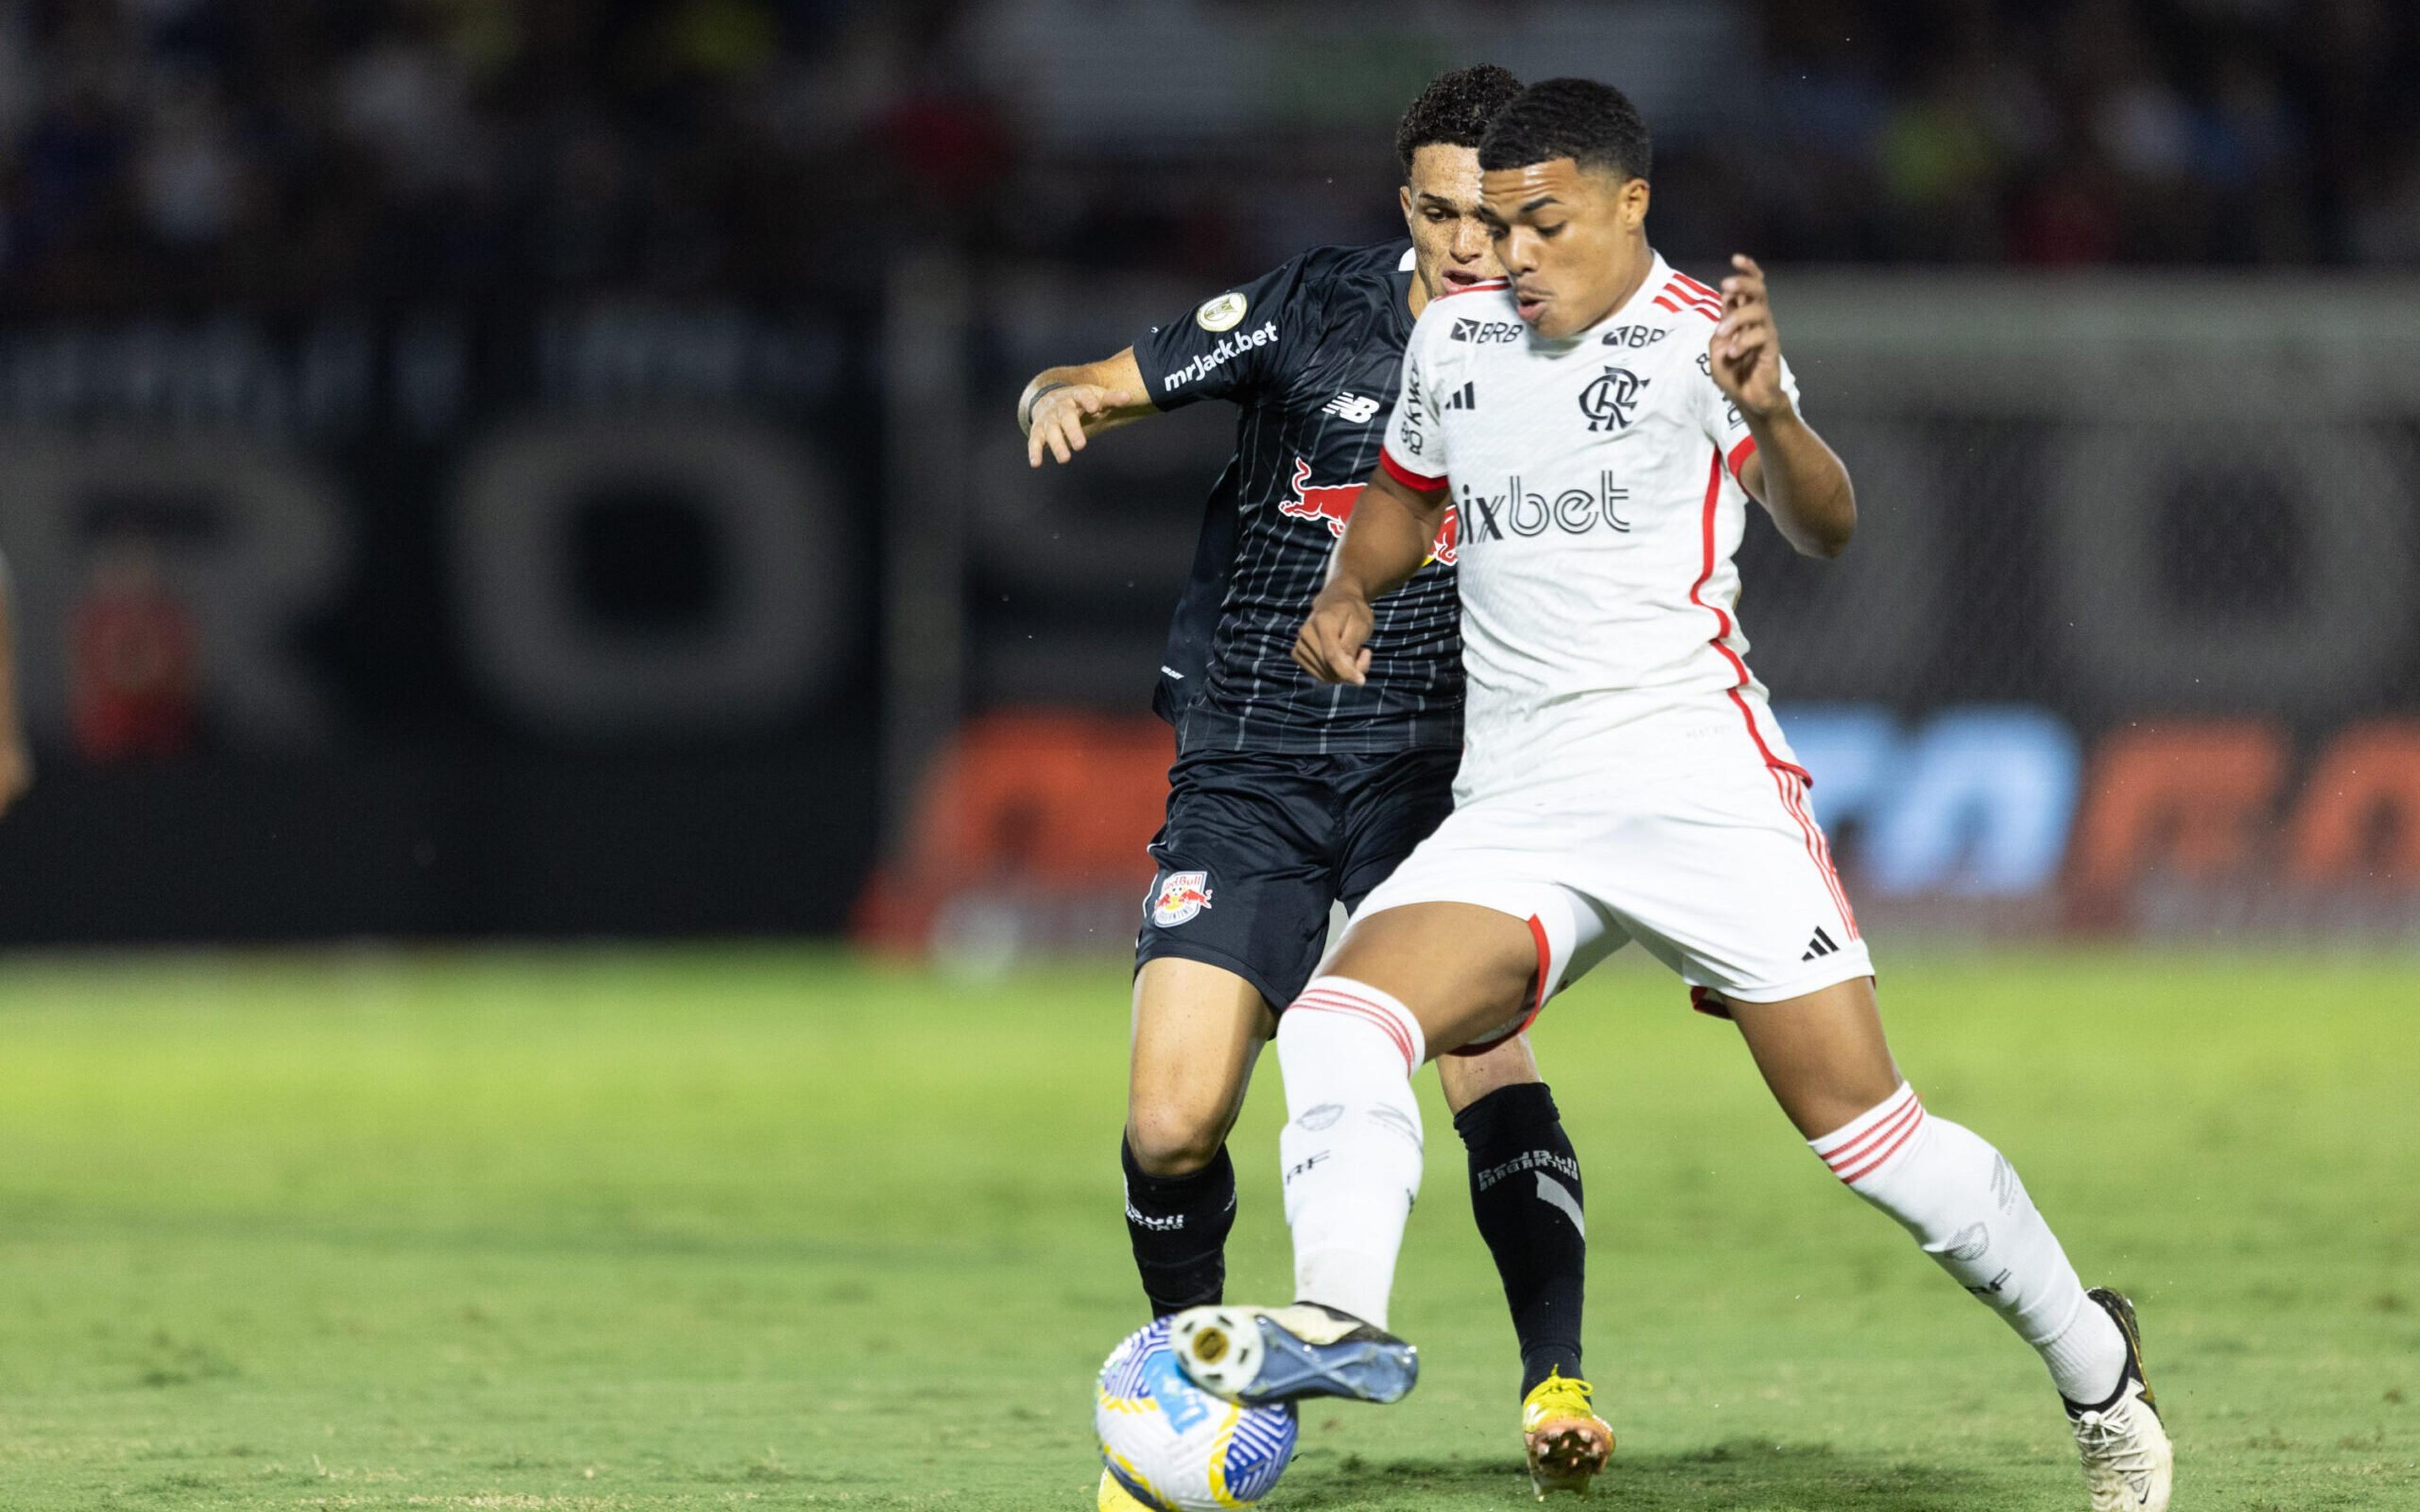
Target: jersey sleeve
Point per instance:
(1725, 426)
(1414, 452)
(1233, 344)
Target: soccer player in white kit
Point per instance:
(1601, 420)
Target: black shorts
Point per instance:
(1258, 846)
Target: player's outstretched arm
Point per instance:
(1798, 479)
(1064, 405)
(1384, 543)
(16, 758)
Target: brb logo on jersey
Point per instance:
(1483, 332)
(1610, 398)
(1181, 895)
(1333, 503)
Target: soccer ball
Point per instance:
(1174, 1446)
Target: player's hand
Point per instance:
(1333, 644)
(1058, 418)
(1745, 354)
(16, 769)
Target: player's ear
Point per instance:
(1403, 202)
(1634, 203)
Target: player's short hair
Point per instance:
(1454, 110)
(1593, 124)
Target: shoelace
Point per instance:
(1559, 1396)
(2111, 1444)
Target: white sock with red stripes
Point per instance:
(1351, 1149)
(1962, 1201)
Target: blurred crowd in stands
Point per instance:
(270, 153)
(2086, 132)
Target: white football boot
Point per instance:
(2128, 1465)
(1260, 1355)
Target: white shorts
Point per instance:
(1686, 830)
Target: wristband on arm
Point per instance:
(1025, 414)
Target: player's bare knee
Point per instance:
(1175, 1139)
(1465, 1079)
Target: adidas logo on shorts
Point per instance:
(1820, 945)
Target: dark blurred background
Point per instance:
(482, 468)
(276, 156)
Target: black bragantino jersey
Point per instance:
(1310, 356)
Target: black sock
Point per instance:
(1179, 1227)
(1524, 1191)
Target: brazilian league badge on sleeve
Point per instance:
(1221, 314)
(1181, 895)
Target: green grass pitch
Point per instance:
(765, 1228)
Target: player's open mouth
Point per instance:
(1461, 277)
(1529, 303)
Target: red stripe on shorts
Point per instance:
(1537, 1004)
(1819, 850)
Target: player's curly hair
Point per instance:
(1454, 110)
(1593, 124)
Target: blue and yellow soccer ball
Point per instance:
(1175, 1448)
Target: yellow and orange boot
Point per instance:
(1568, 1443)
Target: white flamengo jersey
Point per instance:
(1596, 481)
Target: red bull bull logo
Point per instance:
(1333, 503)
(1181, 895)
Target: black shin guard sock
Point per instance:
(1178, 1225)
(1524, 1191)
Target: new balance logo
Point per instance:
(1466, 398)
(1353, 407)
(1820, 945)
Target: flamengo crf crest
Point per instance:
(1609, 400)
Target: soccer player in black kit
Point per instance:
(1289, 795)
